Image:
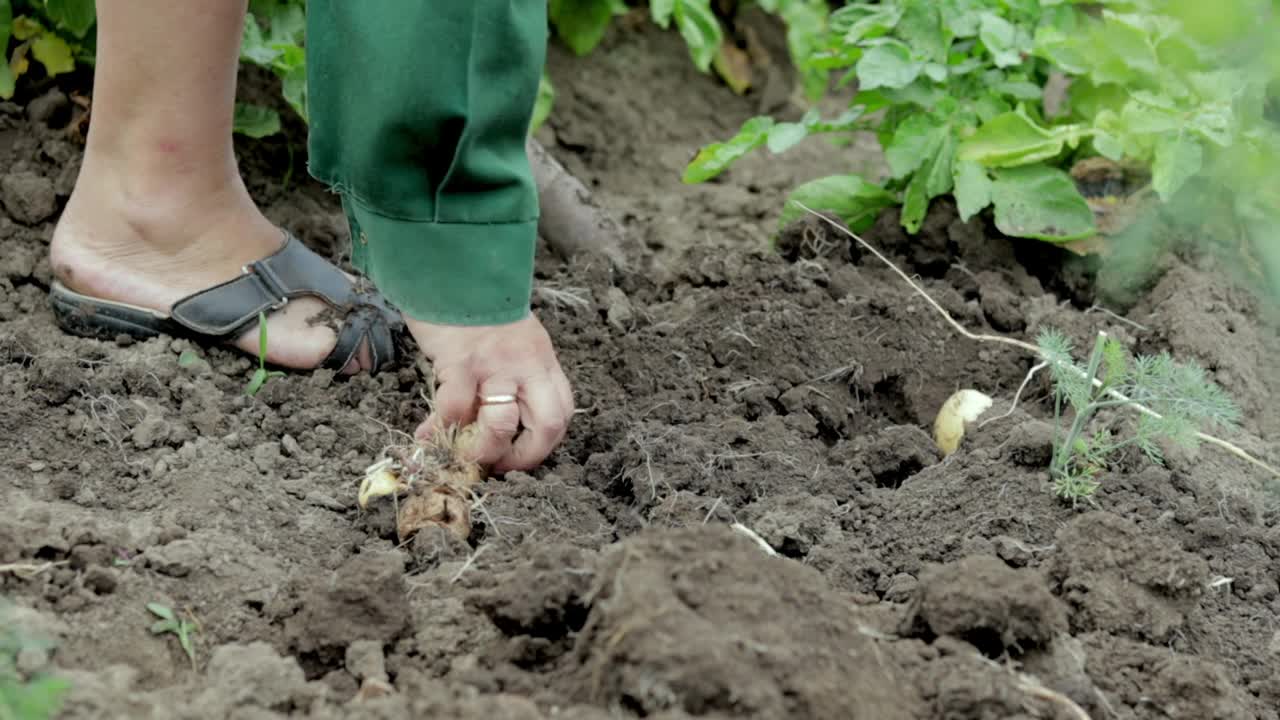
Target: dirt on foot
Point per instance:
(731, 394)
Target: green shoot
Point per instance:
(38, 697)
(1180, 393)
(170, 623)
(261, 375)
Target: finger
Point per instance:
(455, 405)
(566, 402)
(544, 427)
(497, 423)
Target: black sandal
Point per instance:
(223, 312)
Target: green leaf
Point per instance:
(1108, 146)
(287, 24)
(1015, 139)
(581, 24)
(1146, 118)
(972, 188)
(889, 65)
(262, 339)
(253, 44)
(933, 178)
(921, 28)
(542, 106)
(961, 17)
(856, 201)
(40, 698)
(863, 21)
(1041, 202)
(662, 10)
(8, 83)
(1000, 38)
(806, 28)
(161, 611)
(255, 121)
(717, 157)
(916, 138)
(256, 382)
(74, 16)
(54, 53)
(6, 21)
(1178, 159)
(187, 358)
(26, 28)
(294, 88)
(1020, 90)
(700, 29)
(784, 136)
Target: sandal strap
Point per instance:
(230, 308)
(227, 309)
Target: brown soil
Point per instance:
(790, 392)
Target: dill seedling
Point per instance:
(180, 628)
(261, 375)
(1180, 394)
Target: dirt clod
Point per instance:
(362, 600)
(716, 591)
(1117, 578)
(993, 606)
(27, 197)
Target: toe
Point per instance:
(293, 338)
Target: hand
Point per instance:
(516, 359)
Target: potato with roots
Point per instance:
(432, 482)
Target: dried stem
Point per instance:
(1028, 347)
(1043, 693)
(28, 570)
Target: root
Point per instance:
(573, 298)
(743, 529)
(1031, 348)
(1041, 692)
(570, 219)
(1018, 395)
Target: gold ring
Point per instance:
(497, 399)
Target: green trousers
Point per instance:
(418, 116)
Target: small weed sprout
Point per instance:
(37, 697)
(261, 375)
(170, 623)
(1180, 393)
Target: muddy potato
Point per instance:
(439, 505)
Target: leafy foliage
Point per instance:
(56, 34)
(1181, 395)
(955, 91)
(38, 697)
(274, 38)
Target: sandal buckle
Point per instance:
(269, 283)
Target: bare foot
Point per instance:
(155, 252)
